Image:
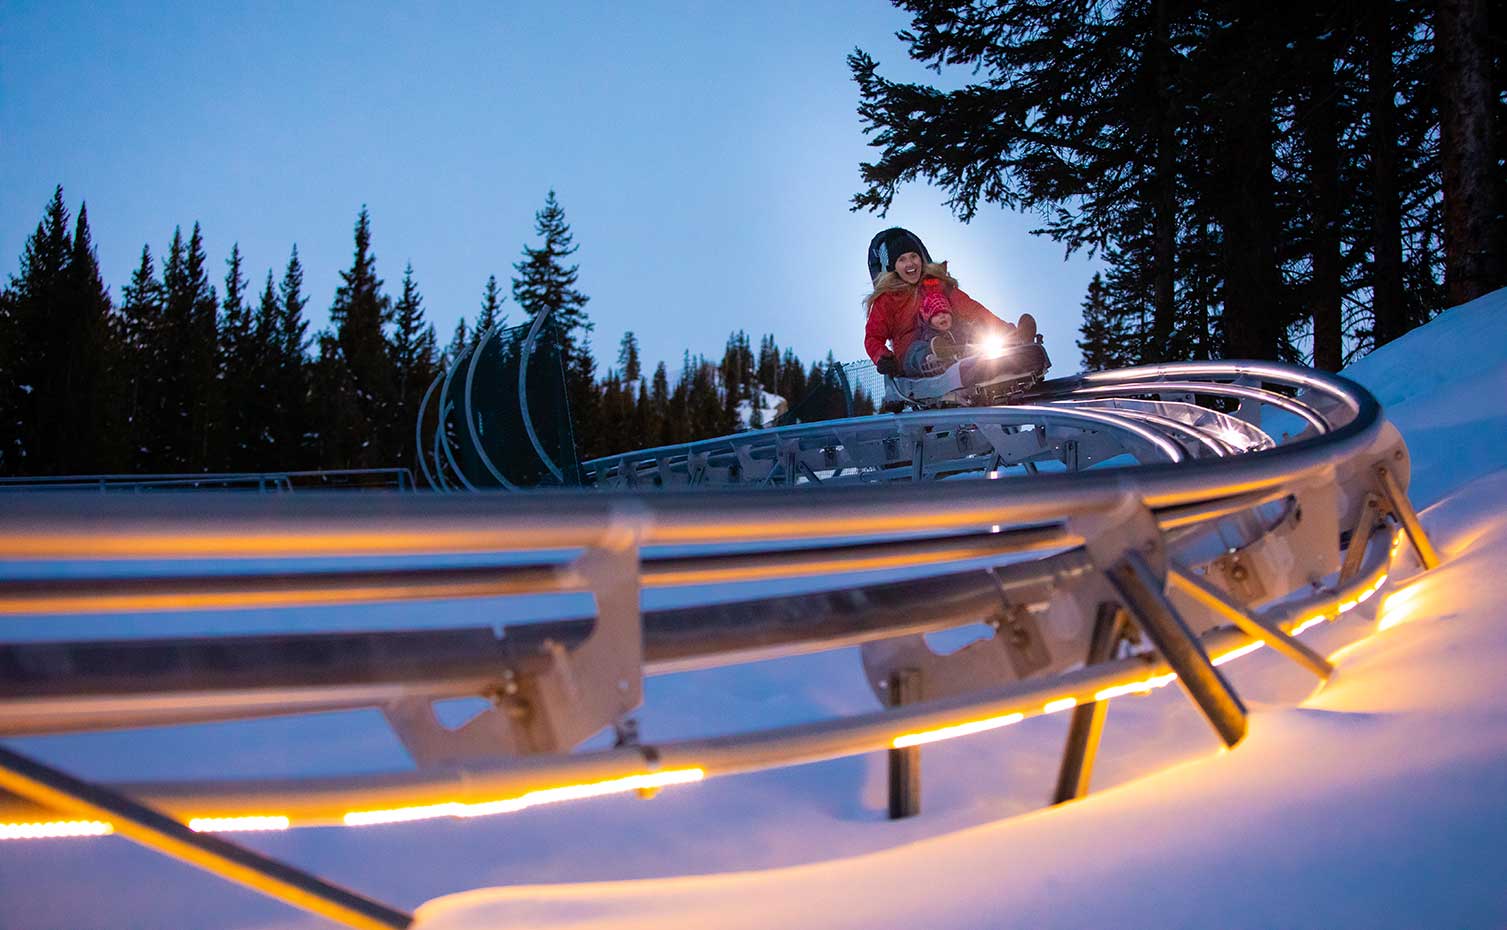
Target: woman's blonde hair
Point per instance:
(890, 282)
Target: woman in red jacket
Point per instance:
(910, 288)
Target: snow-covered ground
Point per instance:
(770, 407)
(1378, 801)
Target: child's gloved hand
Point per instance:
(888, 365)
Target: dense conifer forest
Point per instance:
(1279, 181)
(190, 372)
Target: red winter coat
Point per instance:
(895, 318)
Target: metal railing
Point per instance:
(334, 479)
(1186, 522)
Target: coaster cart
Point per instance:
(1023, 367)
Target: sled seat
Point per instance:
(1024, 367)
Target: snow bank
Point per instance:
(770, 406)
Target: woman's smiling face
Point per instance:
(908, 267)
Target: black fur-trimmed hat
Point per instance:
(889, 245)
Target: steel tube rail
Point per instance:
(55, 687)
(383, 585)
(78, 527)
(1311, 417)
(413, 795)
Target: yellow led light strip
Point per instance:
(1141, 686)
(531, 799)
(238, 824)
(961, 729)
(54, 828)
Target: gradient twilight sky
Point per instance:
(704, 153)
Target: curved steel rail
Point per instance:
(470, 412)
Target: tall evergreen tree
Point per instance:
(30, 390)
(1101, 335)
(142, 366)
(358, 419)
(458, 344)
(238, 359)
(292, 428)
(545, 284)
(627, 358)
(413, 358)
(491, 303)
(1475, 194)
(90, 421)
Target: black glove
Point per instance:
(888, 365)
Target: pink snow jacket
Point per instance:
(895, 320)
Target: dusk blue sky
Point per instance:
(704, 153)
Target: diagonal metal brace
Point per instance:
(1397, 502)
(1141, 592)
(1360, 536)
(1087, 726)
(1208, 597)
(58, 790)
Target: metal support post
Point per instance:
(1402, 509)
(61, 791)
(1141, 592)
(1205, 595)
(1360, 535)
(1088, 719)
(905, 764)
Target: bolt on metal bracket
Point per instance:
(582, 690)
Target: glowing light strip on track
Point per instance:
(643, 782)
(238, 824)
(651, 781)
(960, 729)
(1140, 686)
(54, 828)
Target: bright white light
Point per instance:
(54, 828)
(1234, 654)
(237, 824)
(1053, 707)
(531, 799)
(961, 729)
(992, 346)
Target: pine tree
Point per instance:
(31, 403)
(359, 422)
(292, 431)
(584, 399)
(140, 343)
(792, 380)
(545, 284)
(659, 403)
(412, 352)
(458, 344)
(627, 358)
(1102, 333)
(91, 421)
(1474, 193)
(491, 302)
(238, 358)
(260, 407)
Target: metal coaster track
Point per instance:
(1212, 507)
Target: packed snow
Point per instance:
(1379, 800)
